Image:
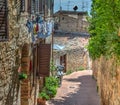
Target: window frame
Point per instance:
(6, 36)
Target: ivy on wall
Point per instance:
(104, 27)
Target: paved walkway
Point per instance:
(78, 88)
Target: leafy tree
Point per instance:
(104, 26)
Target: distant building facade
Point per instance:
(74, 55)
(71, 21)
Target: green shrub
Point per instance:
(44, 95)
(104, 29)
(52, 68)
(50, 89)
(51, 81)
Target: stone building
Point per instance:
(74, 54)
(13, 36)
(71, 32)
(71, 21)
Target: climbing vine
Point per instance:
(104, 27)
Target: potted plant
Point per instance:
(49, 90)
(42, 98)
(22, 76)
(51, 86)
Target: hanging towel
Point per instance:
(49, 28)
(33, 38)
(34, 29)
(29, 25)
(37, 27)
(41, 35)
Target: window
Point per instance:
(3, 20)
(29, 6)
(26, 5)
(36, 6)
(41, 7)
(22, 7)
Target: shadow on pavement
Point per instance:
(86, 94)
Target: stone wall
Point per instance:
(65, 24)
(10, 56)
(77, 59)
(107, 74)
(74, 48)
(73, 23)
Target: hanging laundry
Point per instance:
(45, 28)
(29, 25)
(40, 28)
(34, 29)
(37, 27)
(41, 35)
(39, 19)
(33, 38)
(49, 28)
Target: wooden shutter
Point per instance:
(29, 6)
(41, 7)
(35, 62)
(3, 20)
(44, 59)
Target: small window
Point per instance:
(3, 20)
(36, 6)
(62, 18)
(25, 6)
(22, 7)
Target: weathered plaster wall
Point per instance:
(10, 55)
(107, 73)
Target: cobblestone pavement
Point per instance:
(78, 88)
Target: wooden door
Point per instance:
(63, 61)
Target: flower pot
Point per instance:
(41, 101)
(22, 76)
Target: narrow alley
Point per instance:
(42, 41)
(78, 88)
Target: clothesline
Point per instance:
(39, 28)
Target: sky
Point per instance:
(83, 5)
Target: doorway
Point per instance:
(63, 61)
